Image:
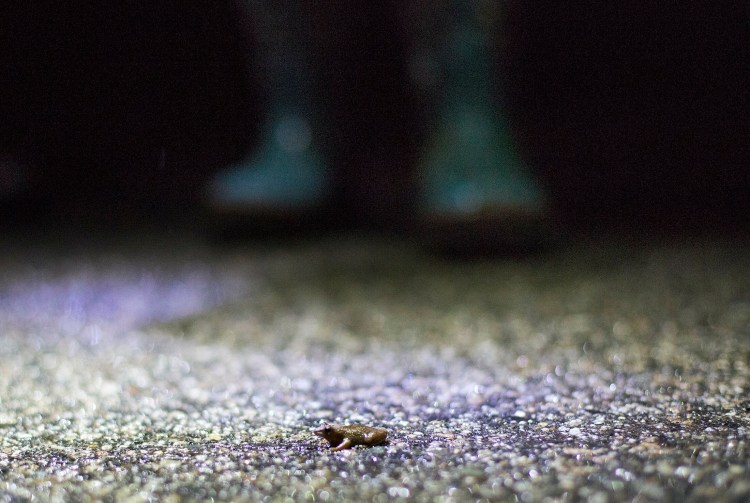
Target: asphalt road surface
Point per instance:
(165, 369)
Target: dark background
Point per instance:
(630, 113)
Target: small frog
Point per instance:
(348, 435)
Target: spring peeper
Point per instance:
(348, 435)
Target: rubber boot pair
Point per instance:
(474, 189)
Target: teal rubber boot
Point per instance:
(476, 189)
(285, 179)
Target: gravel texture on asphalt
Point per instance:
(176, 371)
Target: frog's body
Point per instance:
(348, 435)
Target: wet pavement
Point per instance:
(171, 370)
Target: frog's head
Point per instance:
(330, 433)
